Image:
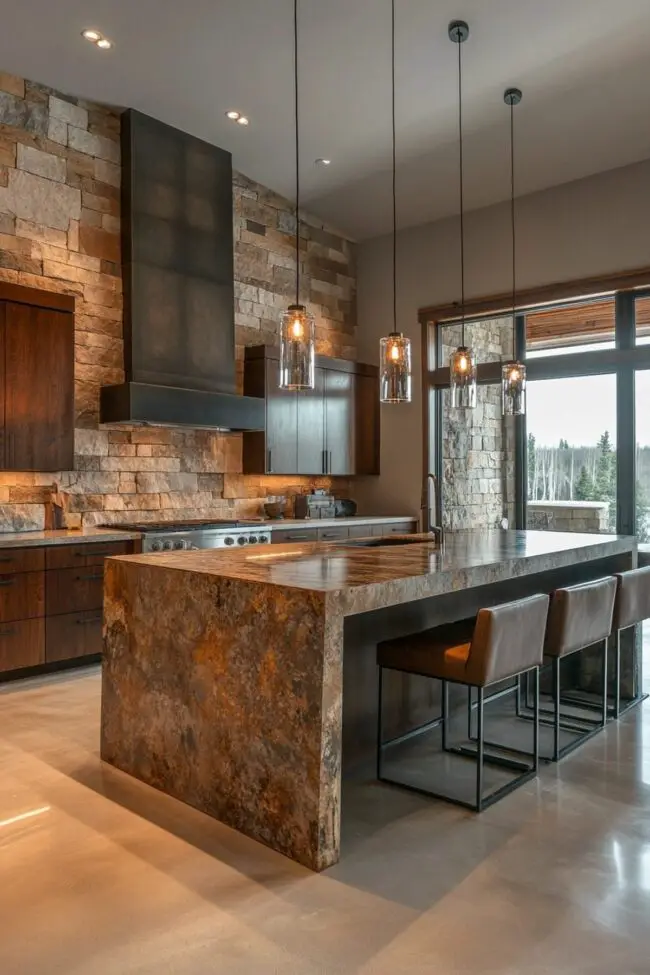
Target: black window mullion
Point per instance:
(625, 325)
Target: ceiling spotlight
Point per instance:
(242, 120)
(233, 115)
(91, 35)
(104, 43)
(323, 162)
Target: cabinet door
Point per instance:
(339, 422)
(366, 446)
(311, 427)
(39, 388)
(281, 424)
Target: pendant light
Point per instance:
(462, 362)
(513, 373)
(297, 345)
(395, 348)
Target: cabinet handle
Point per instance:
(323, 461)
(7, 558)
(7, 582)
(92, 619)
(297, 537)
(91, 578)
(329, 465)
(10, 632)
(269, 465)
(82, 555)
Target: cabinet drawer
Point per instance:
(361, 531)
(14, 560)
(394, 528)
(73, 635)
(296, 535)
(22, 597)
(74, 590)
(83, 555)
(333, 534)
(22, 644)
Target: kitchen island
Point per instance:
(223, 671)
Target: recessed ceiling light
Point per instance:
(91, 35)
(104, 43)
(323, 162)
(242, 120)
(233, 115)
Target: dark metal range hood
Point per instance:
(177, 265)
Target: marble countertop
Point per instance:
(65, 537)
(385, 575)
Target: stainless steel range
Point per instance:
(166, 536)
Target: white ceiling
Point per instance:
(583, 66)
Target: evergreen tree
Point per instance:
(564, 444)
(584, 487)
(642, 529)
(605, 480)
(532, 467)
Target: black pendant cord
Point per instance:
(295, 67)
(462, 219)
(512, 221)
(394, 173)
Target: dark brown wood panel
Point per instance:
(340, 431)
(84, 555)
(34, 296)
(73, 635)
(366, 422)
(74, 590)
(22, 644)
(39, 388)
(311, 427)
(13, 560)
(294, 535)
(22, 596)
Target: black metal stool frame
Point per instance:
(481, 802)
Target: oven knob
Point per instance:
(229, 540)
(241, 540)
(262, 539)
(156, 546)
(167, 546)
(252, 539)
(179, 545)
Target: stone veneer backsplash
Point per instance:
(60, 231)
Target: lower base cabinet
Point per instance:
(22, 644)
(73, 635)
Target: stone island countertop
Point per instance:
(65, 537)
(222, 678)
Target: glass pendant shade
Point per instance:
(297, 349)
(462, 370)
(513, 389)
(395, 379)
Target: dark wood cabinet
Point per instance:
(332, 429)
(36, 380)
(51, 602)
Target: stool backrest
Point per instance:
(579, 616)
(632, 597)
(508, 639)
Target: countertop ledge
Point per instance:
(65, 537)
(287, 524)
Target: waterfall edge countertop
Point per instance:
(222, 681)
(386, 574)
(65, 536)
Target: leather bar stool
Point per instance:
(503, 642)
(631, 606)
(579, 617)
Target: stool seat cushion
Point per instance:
(632, 597)
(441, 652)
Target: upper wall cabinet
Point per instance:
(330, 430)
(36, 380)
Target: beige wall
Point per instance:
(589, 227)
(60, 231)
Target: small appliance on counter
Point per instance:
(320, 504)
(274, 507)
(345, 508)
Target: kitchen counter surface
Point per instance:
(222, 682)
(387, 574)
(65, 537)
(356, 520)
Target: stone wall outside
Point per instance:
(478, 445)
(568, 516)
(60, 231)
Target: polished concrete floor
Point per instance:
(100, 875)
